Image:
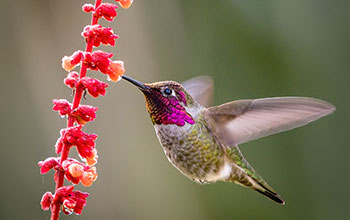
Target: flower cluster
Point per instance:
(78, 115)
(97, 60)
(72, 201)
(74, 170)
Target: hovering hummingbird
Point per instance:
(202, 142)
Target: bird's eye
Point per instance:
(168, 91)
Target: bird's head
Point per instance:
(166, 102)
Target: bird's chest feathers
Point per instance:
(172, 136)
(191, 149)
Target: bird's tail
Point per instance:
(252, 180)
(271, 194)
(244, 174)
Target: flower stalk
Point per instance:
(78, 115)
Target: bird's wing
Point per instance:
(201, 89)
(245, 120)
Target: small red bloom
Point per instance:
(69, 63)
(46, 201)
(106, 10)
(76, 169)
(99, 35)
(94, 87)
(71, 79)
(62, 106)
(92, 158)
(74, 136)
(115, 70)
(78, 172)
(98, 60)
(125, 3)
(88, 176)
(48, 164)
(72, 201)
(88, 8)
(84, 113)
(71, 167)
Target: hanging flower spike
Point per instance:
(94, 87)
(115, 70)
(69, 62)
(65, 198)
(125, 3)
(99, 34)
(106, 10)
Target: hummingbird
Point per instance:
(202, 142)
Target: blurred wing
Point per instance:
(201, 89)
(245, 120)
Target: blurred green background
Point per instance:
(251, 48)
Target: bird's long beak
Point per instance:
(139, 84)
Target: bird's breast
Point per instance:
(192, 149)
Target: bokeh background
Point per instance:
(251, 48)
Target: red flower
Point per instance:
(94, 87)
(69, 63)
(74, 136)
(99, 35)
(74, 171)
(72, 201)
(84, 113)
(62, 106)
(98, 60)
(88, 176)
(88, 8)
(106, 10)
(71, 79)
(115, 70)
(78, 172)
(46, 201)
(48, 164)
(125, 3)
(91, 159)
